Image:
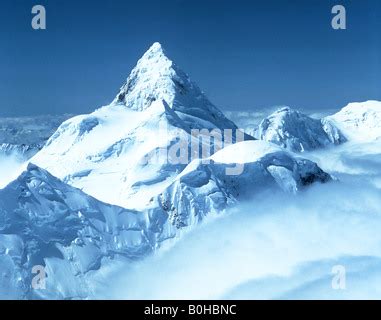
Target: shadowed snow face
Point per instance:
(283, 248)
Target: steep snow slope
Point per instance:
(360, 121)
(46, 222)
(295, 131)
(116, 153)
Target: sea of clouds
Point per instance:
(277, 246)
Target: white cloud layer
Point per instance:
(277, 246)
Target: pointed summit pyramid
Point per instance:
(103, 153)
(157, 78)
(150, 80)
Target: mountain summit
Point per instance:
(297, 132)
(150, 80)
(104, 153)
(157, 78)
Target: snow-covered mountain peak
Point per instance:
(112, 153)
(157, 78)
(359, 120)
(296, 131)
(155, 62)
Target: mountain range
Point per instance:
(122, 181)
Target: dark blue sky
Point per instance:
(243, 54)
